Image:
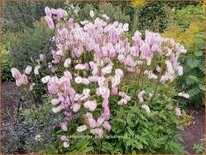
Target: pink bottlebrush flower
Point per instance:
(123, 101)
(100, 120)
(63, 125)
(15, 73)
(46, 79)
(105, 102)
(119, 72)
(70, 23)
(57, 109)
(183, 94)
(55, 101)
(63, 33)
(47, 11)
(91, 105)
(137, 38)
(81, 128)
(76, 107)
(24, 79)
(144, 106)
(41, 57)
(169, 67)
(113, 36)
(98, 131)
(49, 22)
(140, 96)
(52, 88)
(28, 70)
(114, 90)
(107, 126)
(177, 111)
(106, 112)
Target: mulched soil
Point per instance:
(191, 134)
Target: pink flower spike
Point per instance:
(70, 23)
(107, 126)
(48, 11)
(28, 70)
(49, 22)
(64, 126)
(140, 96)
(81, 128)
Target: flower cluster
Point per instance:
(92, 59)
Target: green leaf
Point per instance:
(198, 53)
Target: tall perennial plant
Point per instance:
(92, 62)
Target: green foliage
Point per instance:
(6, 64)
(154, 15)
(133, 130)
(200, 148)
(18, 15)
(187, 28)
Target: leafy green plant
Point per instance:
(187, 28)
(200, 148)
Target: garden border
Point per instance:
(100, 1)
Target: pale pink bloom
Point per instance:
(55, 101)
(158, 69)
(140, 96)
(85, 81)
(107, 126)
(92, 122)
(125, 27)
(31, 86)
(38, 138)
(76, 107)
(57, 109)
(119, 72)
(101, 81)
(49, 22)
(177, 111)
(36, 70)
(91, 105)
(180, 70)
(81, 128)
(78, 80)
(86, 91)
(100, 120)
(28, 70)
(24, 79)
(169, 66)
(59, 53)
(67, 74)
(63, 33)
(15, 73)
(113, 36)
(79, 67)
(47, 11)
(67, 62)
(106, 112)
(46, 79)
(144, 106)
(64, 139)
(64, 126)
(183, 94)
(114, 90)
(93, 78)
(123, 101)
(137, 38)
(97, 131)
(70, 23)
(41, 57)
(107, 69)
(66, 144)
(52, 88)
(105, 16)
(105, 102)
(91, 13)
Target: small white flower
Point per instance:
(177, 111)
(183, 94)
(91, 13)
(144, 106)
(38, 138)
(36, 70)
(76, 107)
(45, 79)
(78, 80)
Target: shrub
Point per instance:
(105, 82)
(187, 28)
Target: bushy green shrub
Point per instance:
(18, 15)
(187, 28)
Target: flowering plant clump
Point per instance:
(92, 63)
